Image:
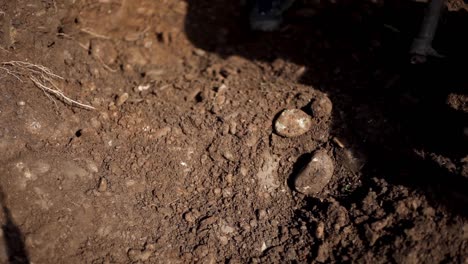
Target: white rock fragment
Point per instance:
(293, 123)
(143, 87)
(264, 247)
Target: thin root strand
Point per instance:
(42, 77)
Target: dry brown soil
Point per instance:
(180, 163)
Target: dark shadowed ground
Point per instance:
(396, 113)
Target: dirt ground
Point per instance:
(180, 162)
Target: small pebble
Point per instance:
(142, 87)
(320, 230)
(264, 247)
(253, 223)
(227, 229)
(227, 192)
(229, 178)
(243, 171)
(293, 123)
(92, 167)
(224, 240)
(315, 175)
(199, 52)
(245, 227)
(322, 107)
(189, 217)
(121, 99)
(102, 185)
(228, 155)
(21, 103)
(261, 214)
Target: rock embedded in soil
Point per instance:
(315, 175)
(102, 187)
(189, 217)
(122, 99)
(292, 123)
(261, 214)
(322, 107)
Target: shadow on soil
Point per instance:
(357, 54)
(13, 237)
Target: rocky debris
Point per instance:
(322, 107)
(315, 175)
(292, 123)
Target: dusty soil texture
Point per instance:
(180, 161)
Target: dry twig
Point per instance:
(94, 34)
